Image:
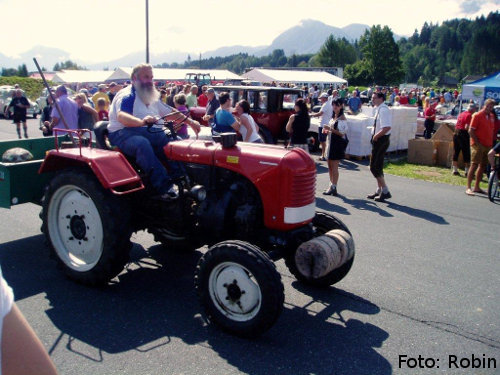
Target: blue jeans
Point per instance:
(147, 149)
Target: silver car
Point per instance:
(6, 94)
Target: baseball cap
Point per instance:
(210, 91)
(323, 96)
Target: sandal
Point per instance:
(480, 191)
(469, 192)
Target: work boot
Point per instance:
(383, 196)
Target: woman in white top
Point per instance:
(248, 127)
(338, 144)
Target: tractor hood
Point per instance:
(285, 178)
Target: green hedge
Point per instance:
(32, 87)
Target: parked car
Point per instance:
(363, 95)
(6, 94)
(41, 101)
(199, 79)
(270, 107)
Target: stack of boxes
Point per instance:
(435, 151)
(404, 126)
(359, 132)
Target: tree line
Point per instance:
(456, 48)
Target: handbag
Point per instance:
(344, 140)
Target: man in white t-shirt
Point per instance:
(380, 144)
(325, 114)
(132, 114)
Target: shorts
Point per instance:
(479, 154)
(377, 157)
(321, 136)
(19, 118)
(461, 142)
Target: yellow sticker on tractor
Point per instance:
(233, 159)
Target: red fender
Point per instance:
(111, 168)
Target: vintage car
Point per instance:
(270, 107)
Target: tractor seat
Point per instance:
(101, 135)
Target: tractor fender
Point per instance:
(111, 168)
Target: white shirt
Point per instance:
(114, 124)
(132, 104)
(6, 301)
(383, 118)
(341, 126)
(327, 110)
(243, 131)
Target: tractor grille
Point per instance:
(303, 188)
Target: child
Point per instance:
(180, 104)
(101, 110)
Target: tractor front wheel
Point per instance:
(239, 288)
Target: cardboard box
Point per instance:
(431, 152)
(444, 133)
(420, 151)
(443, 158)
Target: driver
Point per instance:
(132, 110)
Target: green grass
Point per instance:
(435, 174)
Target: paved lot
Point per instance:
(8, 129)
(425, 282)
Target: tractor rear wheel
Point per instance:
(86, 227)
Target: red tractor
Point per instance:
(252, 204)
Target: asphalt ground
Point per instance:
(424, 284)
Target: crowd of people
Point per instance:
(474, 137)
(92, 104)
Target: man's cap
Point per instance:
(324, 96)
(112, 84)
(102, 86)
(210, 91)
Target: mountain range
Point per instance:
(307, 37)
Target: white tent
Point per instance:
(168, 75)
(298, 77)
(81, 76)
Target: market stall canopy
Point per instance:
(482, 89)
(171, 75)
(81, 76)
(293, 76)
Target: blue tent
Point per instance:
(482, 89)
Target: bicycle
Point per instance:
(493, 187)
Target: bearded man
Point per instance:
(133, 111)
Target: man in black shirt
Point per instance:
(20, 104)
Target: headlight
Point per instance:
(198, 192)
